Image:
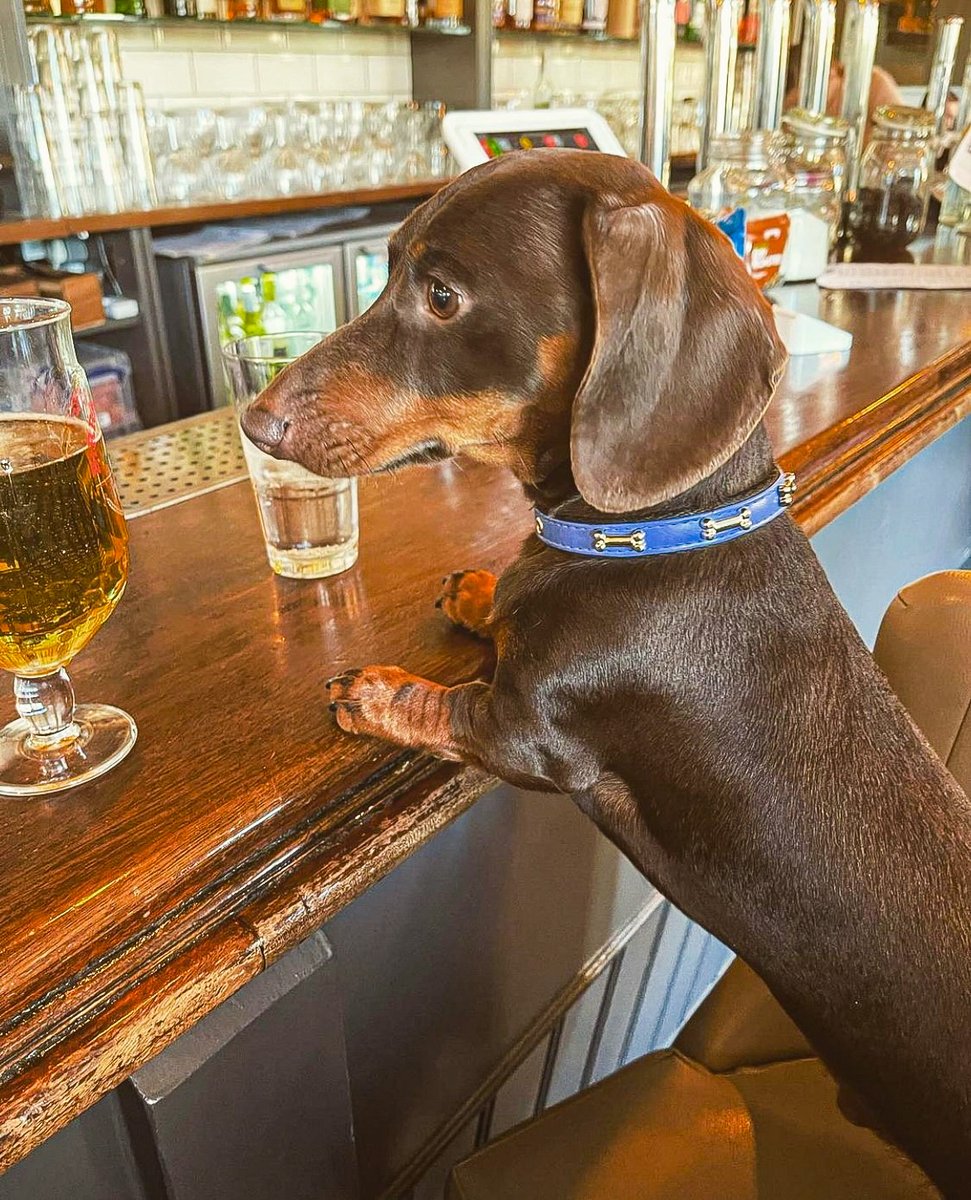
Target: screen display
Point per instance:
(495, 144)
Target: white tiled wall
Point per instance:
(203, 65)
(200, 65)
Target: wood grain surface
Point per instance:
(41, 228)
(244, 818)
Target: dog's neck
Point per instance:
(743, 473)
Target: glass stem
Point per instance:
(46, 703)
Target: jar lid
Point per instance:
(753, 145)
(805, 121)
(914, 122)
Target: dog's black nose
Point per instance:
(263, 427)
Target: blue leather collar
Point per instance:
(669, 535)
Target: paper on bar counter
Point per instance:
(907, 276)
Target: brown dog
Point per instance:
(713, 711)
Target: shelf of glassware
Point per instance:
(117, 19)
(27, 229)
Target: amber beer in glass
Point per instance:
(63, 553)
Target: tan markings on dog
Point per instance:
(416, 249)
(466, 600)
(390, 703)
(556, 358)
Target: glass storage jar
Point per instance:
(895, 180)
(746, 176)
(814, 153)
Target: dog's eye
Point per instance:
(442, 300)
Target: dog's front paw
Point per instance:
(363, 700)
(466, 599)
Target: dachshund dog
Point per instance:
(714, 712)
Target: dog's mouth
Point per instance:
(431, 451)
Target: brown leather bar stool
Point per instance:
(740, 1109)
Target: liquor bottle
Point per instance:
(285, 10)
(622, 19)
(252, 314)
(38, 8)
(319, 11)
(180, 8)
(230, 322)
(273, 316)
(570, 16)
(546, 14)
(519, 14)
(443, 14)
(130, 8)
(347, 11)
(385, 12)
(207, 10)
(499, 14)
(595, 16)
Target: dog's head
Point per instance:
(555, 311)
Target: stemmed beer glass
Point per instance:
(63, 554)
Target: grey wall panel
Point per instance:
(253, 1102)
(446, 961)
(89, 1159)
(917, 521)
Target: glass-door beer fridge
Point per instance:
(223, 283)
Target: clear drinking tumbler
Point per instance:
(310, 524)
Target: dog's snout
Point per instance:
(263, 427)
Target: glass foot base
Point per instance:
(105, 735)
(318, 562)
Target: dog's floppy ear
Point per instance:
(685, 357)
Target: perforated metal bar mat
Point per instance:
(175, 462)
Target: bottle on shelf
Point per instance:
(130, 8)
(75, 8)
(273, 315)
(519, 15)
(500, 14)
(230, 321)
(180, 8)
(385, 12)
(346, 11)
(252, 316)
(207, 10)
(284, 10)
(570, 16)
(319, 11)
(38, 8)
(595, 16)
(622, 19)
(443, 14)
(546, 15)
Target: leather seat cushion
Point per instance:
(664, 1128)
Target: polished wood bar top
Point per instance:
(244, 818)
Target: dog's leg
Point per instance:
(390, 703)
(466, 600)
(473, 723)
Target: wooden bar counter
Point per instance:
(244, 819)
